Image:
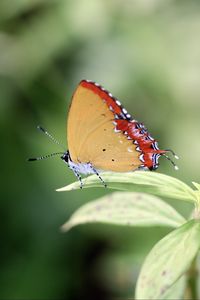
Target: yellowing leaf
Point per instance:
(177, 290)
(168, 261)
(127, 208)
(140, 181)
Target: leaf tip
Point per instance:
(65, 227)
(60, 190)
(65, 188)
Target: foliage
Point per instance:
(163, 274)
(146, 53)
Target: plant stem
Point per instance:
(196, 213)
(192, 277)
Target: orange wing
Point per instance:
(92, 136)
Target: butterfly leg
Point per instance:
(95, 171)
(77, 175)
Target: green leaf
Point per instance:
(126, 208)
(197, 193)
(140, 181)
(176, 291)
(197, 185)
(168, 261)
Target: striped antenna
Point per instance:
(50, 136)
(44, 156)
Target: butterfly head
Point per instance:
(66, 157)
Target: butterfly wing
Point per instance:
(91, 132)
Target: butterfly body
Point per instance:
(83, 168)
(101, 132)
(103, 136)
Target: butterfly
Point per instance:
(103, 136)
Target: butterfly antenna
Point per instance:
(44, 156)
(49, 135)
(167, 157)
(172, 152)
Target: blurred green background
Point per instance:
(147, 53)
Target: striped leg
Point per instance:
(77, 175)
(95, 171)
